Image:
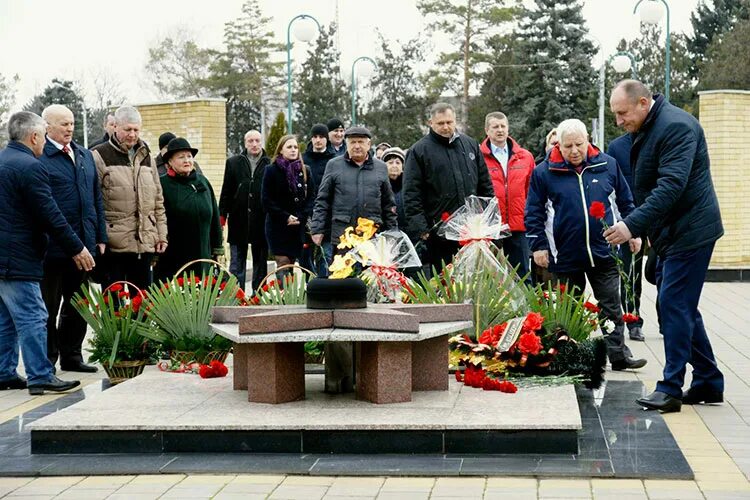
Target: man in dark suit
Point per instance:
(75, 188)
(679, 212)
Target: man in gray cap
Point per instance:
(354, 185)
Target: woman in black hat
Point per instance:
(288, 194)
(193, 226)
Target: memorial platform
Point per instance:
(160, 412)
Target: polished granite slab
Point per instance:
(159, 412)
(617, 439)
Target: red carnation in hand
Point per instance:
(529, 343)
(533, 322)
(591, 307)
(629, 318)
(445, 216)
(597, 210)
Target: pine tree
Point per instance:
(398, 108)
(319, 91)
(467, 23)
(721, 70)
(709, 22)
(501, 74)
(246, 74)
(178, 66)
(559, 82)
(278, 130)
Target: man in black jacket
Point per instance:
(316, 157)
(442, 169)
(240, 205)
(109, 129)
(679, 212)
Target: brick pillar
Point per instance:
(201, 121)
(725, 117)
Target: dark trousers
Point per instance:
(440, 252)
(633, 265)
(129, 266)
(679, 279)
(605, 282)
(64, 336)
(516, 250)
(238, 263)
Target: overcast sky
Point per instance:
(80, 38)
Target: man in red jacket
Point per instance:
(510, 168)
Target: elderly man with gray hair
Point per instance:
(28, 213)
(442, 169)
(567, 239)
(75, 188)
(133, 201)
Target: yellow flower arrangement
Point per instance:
(342, 266)
(352, 237)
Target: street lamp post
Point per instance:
(366, 71)
(651, 14)
(622, 61)
(85, 112)
(303, 33)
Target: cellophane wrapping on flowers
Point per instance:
(383, 256)
(475, 225)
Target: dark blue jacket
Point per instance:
(27, 212)
(557, 209)
(317, 162)
(76, 190)
(619, 149)
(677, 205)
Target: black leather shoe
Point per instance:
(13, 383)
(628, 364)
(78, 366)
(660, 401)
(636, 334)
(54, 385)
(698, 395)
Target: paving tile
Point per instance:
(301, 492)
(47, 486)
(514, 493)
(403, 495)
(99, 482)
(407, 484)
(564, 488)
(85, 494)
(356, 486)
(240, 496)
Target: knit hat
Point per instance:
(357, 132)
(334, 123)
(319, 129)
(383, 145)
(165, 138)
(394, 151)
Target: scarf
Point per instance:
(292, 170)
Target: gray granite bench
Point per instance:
(398, 348)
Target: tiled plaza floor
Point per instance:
(714, 439)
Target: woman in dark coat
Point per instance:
(193, 226)
(287, 195)
(394, 158)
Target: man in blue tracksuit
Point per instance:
(679, 212)
(565, 238)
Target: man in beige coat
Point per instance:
(133, 202)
